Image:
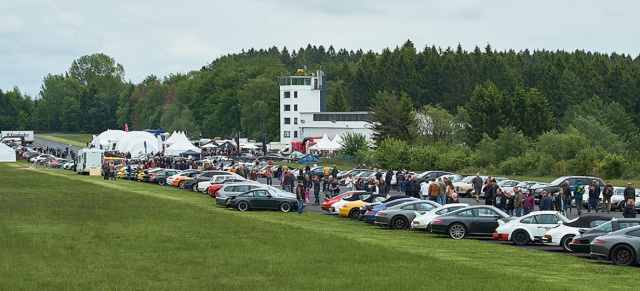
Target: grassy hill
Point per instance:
(59, 230)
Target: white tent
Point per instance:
(7, 154)
(324, 144)
(171, 139)
(110, 137)
(134, 142)
(180, 145)
(337, 142)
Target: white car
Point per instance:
(422, 221)
(529, 228)
(563, 234)
(217, 179)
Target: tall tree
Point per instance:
(391, 116)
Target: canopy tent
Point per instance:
(324, 144)
(136, 142)
(337, 142)
(7, 154)
(110, 138)
(190, 153)
(171, 138)
(180, 145)
(211, 145)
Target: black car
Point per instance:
(470, 221)
(262, 199)
(557, 183)
(431, 175)
(161, 177)
(581, 242)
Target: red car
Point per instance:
(328, 202)
(214, 188)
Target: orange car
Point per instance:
(178, 180)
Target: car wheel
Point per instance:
(285, 207)
(243, 206)
(354, 214)
(564, 243)
(194, 187)
(621, 206)
(623, 255)
(181, 184)
(520, 238)
(205, 191)
(162, 182)
(399, 222)
(468, 193)
(457, 231)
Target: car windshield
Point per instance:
(606, 227)
(557, 181)
(468, 179)
(563, 218)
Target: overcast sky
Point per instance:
(38, 37)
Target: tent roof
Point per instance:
(7, 154)
(324, 144)
(180, 145)
(108, 137)
(133, 142)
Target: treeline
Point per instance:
(483, 92)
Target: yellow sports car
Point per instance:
(352, 209)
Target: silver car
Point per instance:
(230, 190)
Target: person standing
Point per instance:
(528, 203)
(335, 186)
(566, 190)
(449, 192)
(424, 191)
(326, 171)
(387, 178)
(269, 174)
(105, 171)
(300, 196)
(254, 175)
(488, 192)
(376, 188)
(509, 203)
(112, 171)
(477, 186)
(546, 203)
(518, 201)
(415, 187)
(434, 190)
(630, 198)
(558, 201)
(326, 187)
(400, 181)
(578, 189)
(499, 200)
(349, 182)
(369, 186)
(286, 182)
(443, 191)
(607, 193)
(334, 171)
(594, 195)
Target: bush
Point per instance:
(613, 166)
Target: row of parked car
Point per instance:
(617, 240)
(48, 160)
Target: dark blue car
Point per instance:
(370, 216)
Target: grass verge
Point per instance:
(79, 140)
(59, 230)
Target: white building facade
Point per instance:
(303, 102)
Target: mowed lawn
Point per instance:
(59, 230)
(79, 140)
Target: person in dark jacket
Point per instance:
(370, 185)
(488, 193)
(335, 187)
(415, 187)
(326, 187)
(546, 203)
(300, 196)
(566, 189)
(477, 186)
(400, 181)
(387, 177)
(594, 196)
(558, 201)
(510, 205)
(453, 199)
(630, 198)
(316, 189)
(607, 193)
(499, 200)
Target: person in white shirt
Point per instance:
(376, 188)
(349, 182)
(424, 190)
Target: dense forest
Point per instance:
(507, 111)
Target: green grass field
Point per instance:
(79, 140)
(59, 230)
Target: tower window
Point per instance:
(295, 120)
(288, 120)
(287, 94)
(295, 107)
(288, 107)
(295, 94)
